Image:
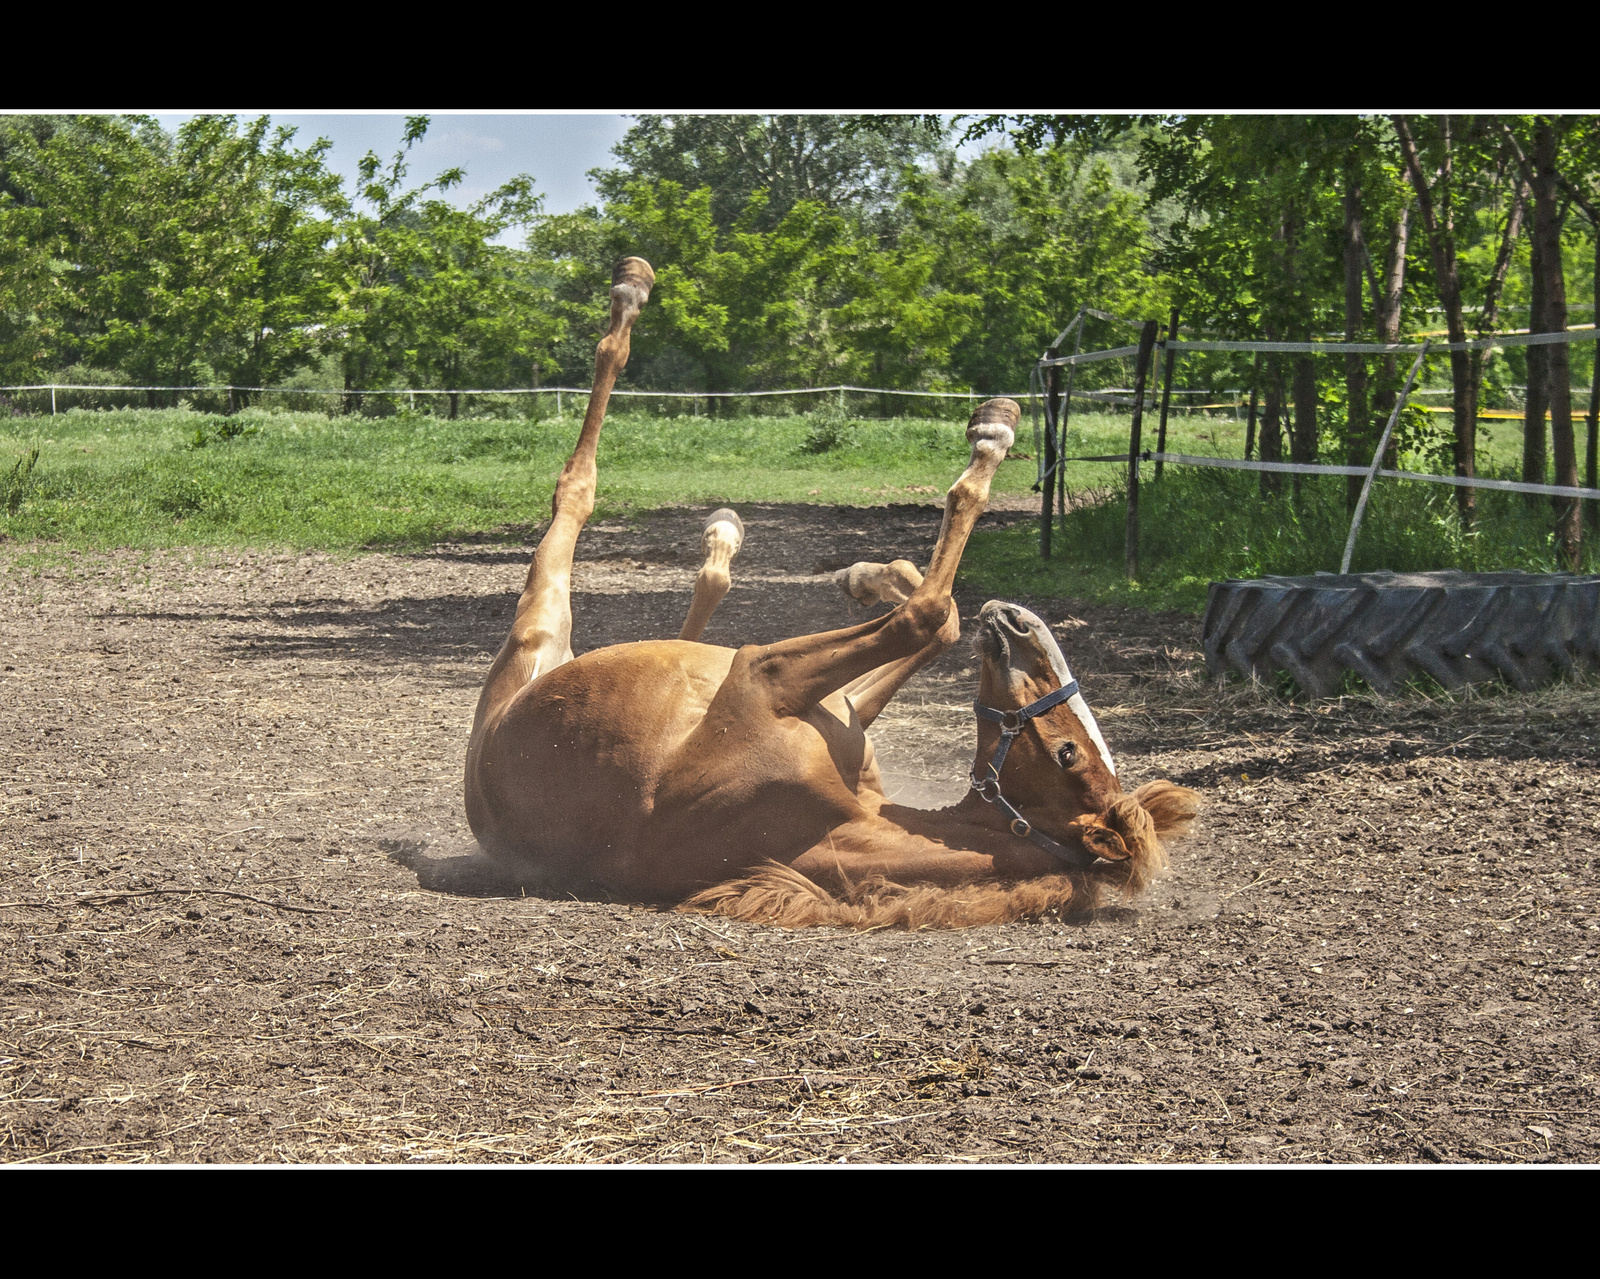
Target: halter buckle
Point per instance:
(1021, 828)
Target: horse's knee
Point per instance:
(574, 496)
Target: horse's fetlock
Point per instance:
(991, 437)
(927, 614)
(714, 578)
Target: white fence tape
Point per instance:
(1307, 468)
(532, 390)
(1340, 348)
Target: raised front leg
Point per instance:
(721, 540)
(541, 632)
(799, 673)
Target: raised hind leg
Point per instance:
(721, 540)
(541, 632)
(797, 674)
(892, 583)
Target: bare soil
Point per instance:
(242, 919)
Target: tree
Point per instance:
(751, 307)
(1470, 192)
(176, 258)
(846, 164)
(291, 201)
(1257, 246)
(422, 291)
(34, 332)
(1021, 240)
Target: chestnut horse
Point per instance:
(742, 782)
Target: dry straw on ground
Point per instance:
(241, 920)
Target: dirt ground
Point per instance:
(242, 919)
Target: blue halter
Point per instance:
(1011, 725)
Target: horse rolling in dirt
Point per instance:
(743, 782)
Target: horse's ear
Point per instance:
(1100, 839)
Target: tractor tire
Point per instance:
(1457, 628)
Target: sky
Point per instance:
(556, 150)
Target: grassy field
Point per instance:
(165, 478)
(172, 477)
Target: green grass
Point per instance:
(136, 477)
(1199, 526)
(172, 477)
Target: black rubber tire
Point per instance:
(1459, 628)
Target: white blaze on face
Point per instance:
(1080, 708)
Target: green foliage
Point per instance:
(829, 429)
(423, 295)
(221, 430)
(1199, 526)
(1009, 251)
(831, 161)
(170, 258)
(16, 484)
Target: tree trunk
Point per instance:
(1534, 435)
(1166, 389)
(1147, 344)
(1303, 442)
(1590, 478)
(1272, 428)
(1558, 361)
(1250, 429)
(1386, 316)
(1440, 224)
(1052, 413)
(1357, 446)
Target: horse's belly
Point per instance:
(568, 777)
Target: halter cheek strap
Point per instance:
(1011, 725)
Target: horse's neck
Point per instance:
(967, 813)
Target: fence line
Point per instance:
(1119, 396)
(1338, 348)
(1318, 468)
(526, 390)
(1051, 459)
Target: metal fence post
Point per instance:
(1052, 403)
(1377, 461)
(1166, 389)
(1066, 416)
(1147, 343)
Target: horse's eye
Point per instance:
(1067, 754)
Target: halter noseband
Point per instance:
(1011, 725)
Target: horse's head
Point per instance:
(1060, 763)
(1058, 770)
